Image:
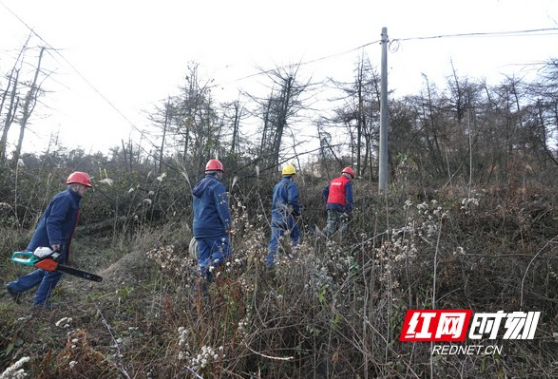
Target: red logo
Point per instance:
(436, 325)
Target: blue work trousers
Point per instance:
(212, 252)
(278, 228)
(46, 280)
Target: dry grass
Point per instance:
(336, 312)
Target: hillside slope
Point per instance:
(335, 312)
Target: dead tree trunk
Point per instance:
(284, 103)
(14, 101)
(28, 106)
(235, 127)
(165, 127)
(266, 128)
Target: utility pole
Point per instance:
(383, 158)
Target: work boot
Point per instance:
(13, 294)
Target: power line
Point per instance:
(487, 34)
(50, 48)
(477, 34)
(323, 58)
(308, 62)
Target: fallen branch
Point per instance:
(117, 356)
(268, 356)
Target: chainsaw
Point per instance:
(45, 259)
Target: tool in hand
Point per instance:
(44, 258)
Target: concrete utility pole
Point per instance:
(383, 158)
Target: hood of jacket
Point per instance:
(203, 185)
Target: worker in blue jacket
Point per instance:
(212, 220)
(284, 211)
(55, 229)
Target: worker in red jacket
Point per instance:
(338, 197)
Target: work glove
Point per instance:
(56, 253)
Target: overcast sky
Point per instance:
(116, 59)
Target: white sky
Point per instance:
(135, 53)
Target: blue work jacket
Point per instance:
(285, 200)
(211, 208)
(58, 222)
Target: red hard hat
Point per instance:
(348, 170)
(79, 178)
(214, 165)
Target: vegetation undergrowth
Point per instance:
(336, 311)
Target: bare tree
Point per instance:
(162, 118)
(545, 91)
(278, 110)
(12, 108)
(359, 113)
(233, 113)
(28, 106)
(197, 119)
(10, 94)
